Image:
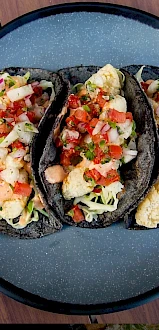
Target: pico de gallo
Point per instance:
(98, 137)
(22, 105)
(151, 89)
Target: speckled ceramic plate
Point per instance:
(81, 271)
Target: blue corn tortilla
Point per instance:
(137, 174)
(45, 225)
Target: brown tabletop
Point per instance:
(14, 312)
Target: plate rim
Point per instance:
(12, 290)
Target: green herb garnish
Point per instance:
(102, 144)
(106, 160)
(89, 155)
(1, 208)
(111, 97)
(86, 108)
(30, 206)
(91, 86)
(112, 124)
(2, 93)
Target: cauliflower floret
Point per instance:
(106, 78)
(13, 208)
(147, 214)
(74, 184)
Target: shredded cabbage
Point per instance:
(139, 73)
(45, 84)
(108, 201)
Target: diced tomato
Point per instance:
(97, 190)
(58, 142)
(116, 116)
(5, 128)
(81, 115)
(144, 85)
(129, 116)
(2, 114)
(78, 215)
(94, 174)
(95, 109)
(115, 151)
(99, 155)
(23, 189)
(18, 105)
(31, 116)
(38, 91)
(65, 157)
(3, 135)
(99, 137)
(93, 122)
(18, 145)
(19, 112)
(100, 100)
(112, 176)
(73, 101)
(72, 121)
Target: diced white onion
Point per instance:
(87, 139)
(10, 138)
(3, 153)
(20, 93)
(98, 127)
(19, 153)
(69, 146)
(105, 128)
(127, 151)
(23, 117)
(23, 176)
(113, 135)
(10, 175)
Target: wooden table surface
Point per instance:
(14, 312)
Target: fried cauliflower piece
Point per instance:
(74, 184)
(147, 214)
(106, 78)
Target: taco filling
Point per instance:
(22, 105)
(98, 137)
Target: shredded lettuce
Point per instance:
(121, 77)
(98, 203)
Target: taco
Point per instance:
(101, 162)
(145, 216)
(26, 94)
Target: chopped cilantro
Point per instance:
(122, 160)
(89, 155)
(111, 97)
(112, 124)
(89, 179)
(91, 146)
(124, 145)
(106, 160)
(91, 86)
(2, 93)
(102, 143)
(119, 130)
(78, 148)
(84, 98)
(1, 208)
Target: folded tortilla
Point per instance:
(137, 174)
(45, 225)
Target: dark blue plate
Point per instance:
(81, 271)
